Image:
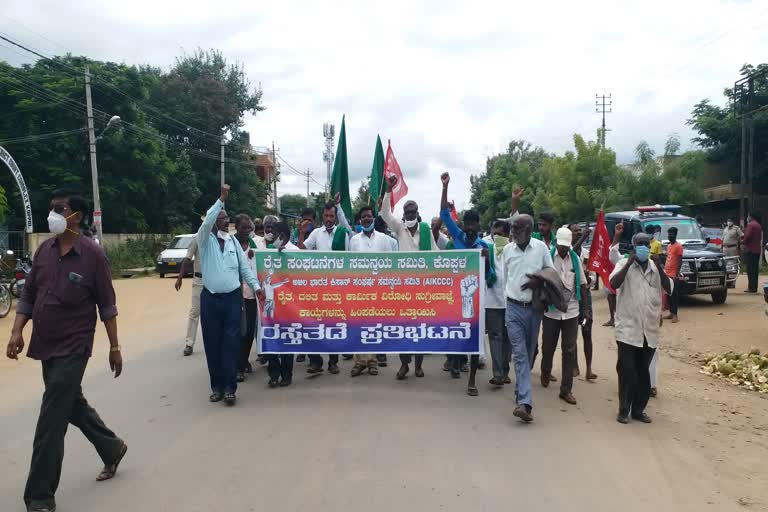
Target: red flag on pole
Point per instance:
(392, 168)
(600, 252)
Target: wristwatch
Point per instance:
(116, 348)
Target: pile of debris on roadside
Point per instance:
(748, 369)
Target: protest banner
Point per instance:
(347, 303)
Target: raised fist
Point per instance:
(445, 178)
(518, 192)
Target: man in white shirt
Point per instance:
(638, 282)
(521, 259)
(192, 258)
(411, 235)
(369, 240)
(568, 265)
(329, 237)
(585, 316)
(495, 308)
(441, 239)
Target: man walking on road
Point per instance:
(495, 309)
(568, 266)
(369, 240)
(243, 230)
(523, 258)
(69, 281)
(638, 282)
(329, 237)
(672, 270)
(192, 258)
(411, 235)
(224, 269)
(753, 236)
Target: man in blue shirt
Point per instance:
(224, 268)
(468, 238)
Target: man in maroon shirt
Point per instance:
(753, 235)
(70, 279)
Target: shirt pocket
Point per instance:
(230, 258)
(74, 291)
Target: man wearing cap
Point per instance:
(568, 265)
(638, 281)
(411, 235)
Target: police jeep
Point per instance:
(704, 270)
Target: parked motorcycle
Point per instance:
(20, 273)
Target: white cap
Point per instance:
(564, 237)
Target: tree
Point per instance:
(363, 196)
(293, 203)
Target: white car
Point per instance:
(169, 261)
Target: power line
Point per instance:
(42, 136)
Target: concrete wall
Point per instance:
(35, 239)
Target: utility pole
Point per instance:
(222, 160)
(274, 178)
(603, 105)
(94, 169)
(744, 104)
(309, 176)
(329, 132)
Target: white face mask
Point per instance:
(730, 223)
(269, 237)
(222, 234)
(57, 224)
(411, 223)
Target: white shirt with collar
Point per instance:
(377, 242)
(321, 240)
(517, 264)
(638, 304)
(564, 267)
(406, 241)
(494, 296)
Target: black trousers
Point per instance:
(252, 323)
(63, 403)
(551, 330)
(280, 366)
(317, 361)
(753, 269)
(406, 359)
(674, 299)
(586, 334)
(633, 367)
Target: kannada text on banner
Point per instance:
(347, 303)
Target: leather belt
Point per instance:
(520, 303)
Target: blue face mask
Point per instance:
(358, 228)
(367, 229)
(310, 227)
(642, 252)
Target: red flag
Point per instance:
(454, 213)
(391, 168)
(600, 252)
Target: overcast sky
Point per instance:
(450, 83)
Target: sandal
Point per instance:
(472, 391)
(357, 370)
(109, 471)
(230, 399)
(496, 381)
(419, 373)
(215, 397)
(373, 370)
(402, 372)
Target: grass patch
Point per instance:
(135, 253)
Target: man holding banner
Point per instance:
(412, 235)
(328, 238)
(369, 240)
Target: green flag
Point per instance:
(377, 176)
(340, 176)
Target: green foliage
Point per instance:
(363, 196)
(719, 129)
(134, 253)
(293, 203)
(576, 185)
(152, 174)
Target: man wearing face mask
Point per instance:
(565, 325)
(329, 237)
(224, 271)
(70, 280)
(638, 282)
(369, 240)
(411, 235)
(495, 308)
(467, 238)
(522, 259)
(307, 224)
(267, 242)
(731, 239)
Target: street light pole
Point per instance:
(94, 168)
